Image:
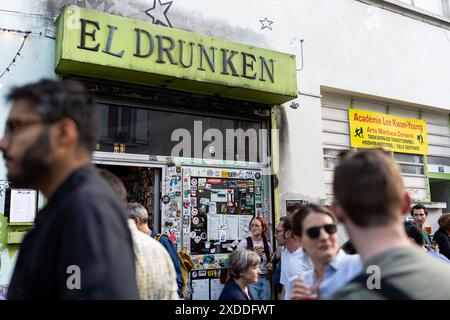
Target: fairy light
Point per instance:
(8, 33)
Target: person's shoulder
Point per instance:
(165, 241)
(230, 291)
(439, 234)
(242, 243)
(351, 260)
(147, 246)
(438, 255)
(145, 240)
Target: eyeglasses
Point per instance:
(12, 127)
(314, 232)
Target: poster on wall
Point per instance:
(219, 208)
(200, 289)
(206, 284)
(22, 205)
(379, 130)
(216, 288)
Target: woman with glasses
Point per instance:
(257, 242)
(333, 268)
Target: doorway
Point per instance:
(143, 185)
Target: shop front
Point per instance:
(185, 123)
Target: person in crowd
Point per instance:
(370, 199)
(155, 271)
(294, 260)
(420, 214)
(243, 271)
(277, 287)
(80, 246)
(416, 236)
(316, 228)
(156, 281)
(142, 218)
(261, 290)
(442, 235)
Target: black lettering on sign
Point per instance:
(211, 61)
(191, 44)
(82, 45)
(246, 64)
(138, 52)
(109, 44)
(227, 61)
(168, 50)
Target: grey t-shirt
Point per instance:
(409, 269)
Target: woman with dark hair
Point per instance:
(243, 270)
(261, 290)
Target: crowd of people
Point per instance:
(87, 224)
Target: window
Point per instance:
(331, 158)
(443, 161)
(150, 132)
(410, 163)
(436, 7)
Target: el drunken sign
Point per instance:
(100, 45)
(379, 130)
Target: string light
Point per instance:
(26, 34)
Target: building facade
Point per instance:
(171, 135)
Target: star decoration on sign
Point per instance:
(266, 23)
(159, 13)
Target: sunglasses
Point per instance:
(314, 232)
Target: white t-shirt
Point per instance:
(293, 264)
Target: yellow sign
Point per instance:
(379, 130)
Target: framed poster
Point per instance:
(21, 205)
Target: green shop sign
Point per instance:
(100, 45)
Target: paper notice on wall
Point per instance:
(244, 222)
(213, 227)
(218, 195)
(212, 208)
(23, 205)
(216, 289)
(232, 223)
(200, 289)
